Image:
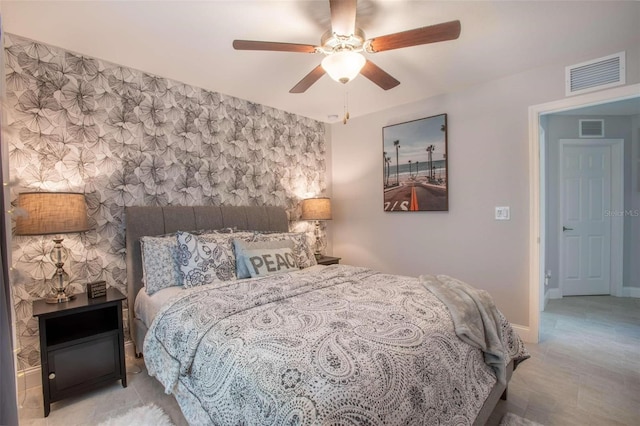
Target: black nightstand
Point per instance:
(328, 260)
(81, 345)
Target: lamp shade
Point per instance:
(52, 213)
(343, 66)
(316, 209)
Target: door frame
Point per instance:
(617, 204)
(536, 190)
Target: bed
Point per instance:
(323, 345)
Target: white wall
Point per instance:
(488, 167)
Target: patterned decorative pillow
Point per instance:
(160, 258)
(240, 246)
(207, 258)
(301, 247)
(269, 261)
(160, 268)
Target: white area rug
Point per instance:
(511, 419)
(147, 415)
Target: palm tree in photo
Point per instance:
(384, 167)
(397, 145)
(430, 150)
(388, 163)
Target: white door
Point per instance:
(585, 218)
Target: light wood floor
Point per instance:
(584, 371)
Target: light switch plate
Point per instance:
(503, 213)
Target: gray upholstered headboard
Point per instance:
(148, 220)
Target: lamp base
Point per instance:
(60, 296)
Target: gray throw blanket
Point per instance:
(475, 318)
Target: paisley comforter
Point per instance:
(327, 345)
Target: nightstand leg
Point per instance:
(47, 404)
(44, 368)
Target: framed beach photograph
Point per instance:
(414, 165)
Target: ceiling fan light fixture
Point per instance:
(344, 43)
(343, 66)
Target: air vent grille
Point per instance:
(595, 75)
(591, 128)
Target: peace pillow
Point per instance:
(302, 249)
(240, 246)
(269, 261)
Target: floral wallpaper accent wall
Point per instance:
(124, 137)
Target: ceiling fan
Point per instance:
(344, 42)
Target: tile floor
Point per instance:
(584, 371)
(586, 368)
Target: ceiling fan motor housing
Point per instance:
(332, 42)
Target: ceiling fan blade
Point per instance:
(273, 46)
(308, 80)
(343, 16)
(378, 76)
(424, 35)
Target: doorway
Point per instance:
(537, 193)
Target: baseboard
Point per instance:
(631, 292)
(29, 378)
(555, 293)
(32, 377)
(545, 300)
(524, 333)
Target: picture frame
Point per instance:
(415, 165)
(96, 289)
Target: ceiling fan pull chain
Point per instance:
(346, 107)
(347, 95)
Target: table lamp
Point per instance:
(53, 213)
(316, 209)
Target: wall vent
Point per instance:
(597, 74)
(591, 128)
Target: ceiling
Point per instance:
(191, 42)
